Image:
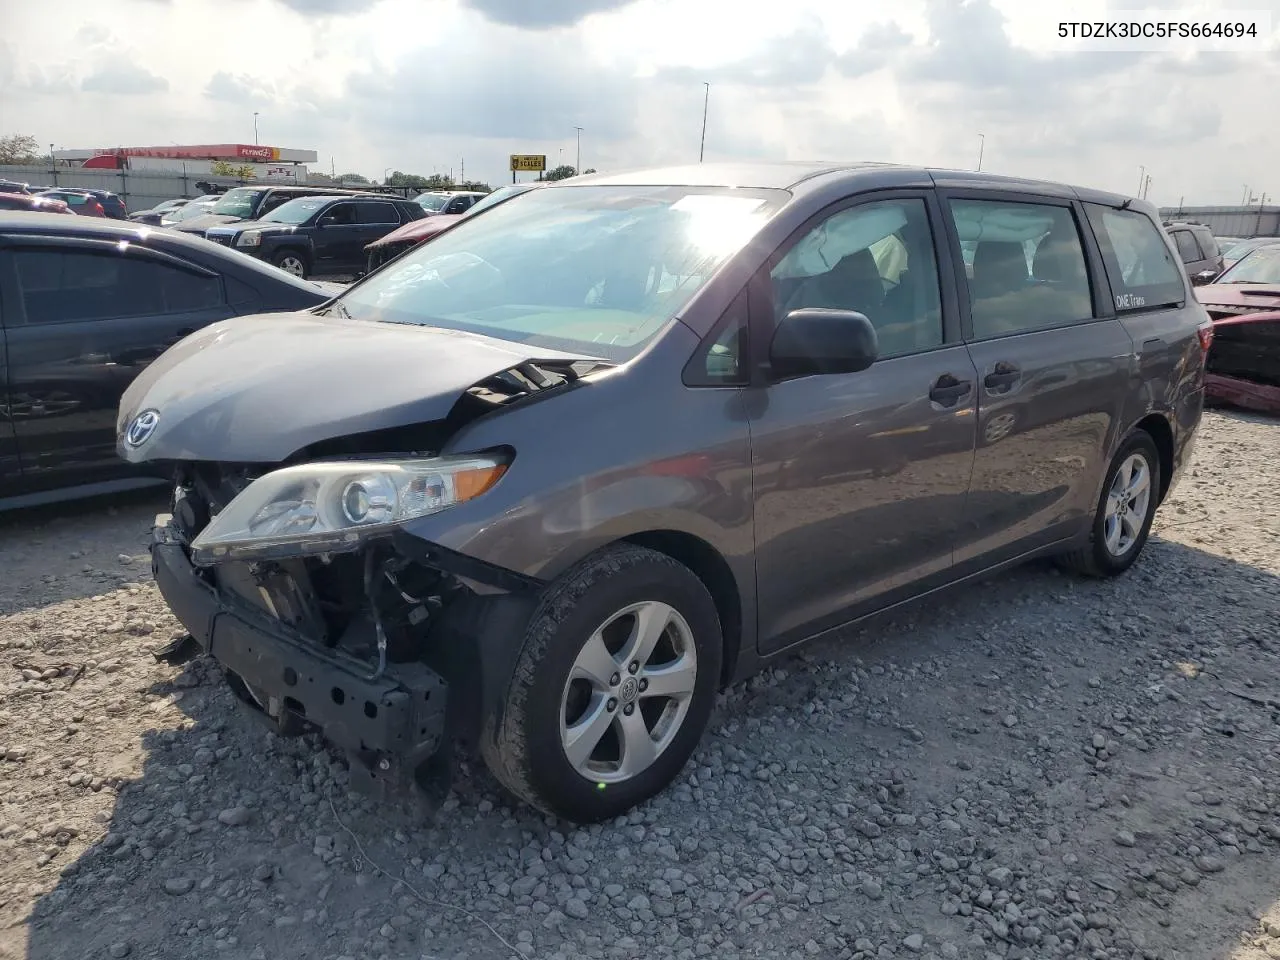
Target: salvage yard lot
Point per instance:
(1037, 766)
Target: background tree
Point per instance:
(562, 172)
(221, 168)
(19, 148)
(353, 178)
(588, 170)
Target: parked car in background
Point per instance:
(13, 186)
(1197, 248)
(253, 203)
(319, 235)
(78, 201)
(547, 482)
(22, 201)
(452, 201)
(1244, 302)
(86, 305)
(189, 210)
(157, 213)
(1242, 248)
(1226, 243)
(420, 231)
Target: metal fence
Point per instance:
(1251, 221)
(141, 190)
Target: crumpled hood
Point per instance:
(1257, 296)
(203, 222)
(419, 229)
(258, 389)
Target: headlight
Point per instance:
(250, 238)
(332, 507)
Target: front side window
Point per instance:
(1208, 244)
(1143, 272)
(596, 270)
(1187, 248)
(237, 203)
(876, 259)
(1028, 269)
(432, 202)
(339, 215)
(63, 286)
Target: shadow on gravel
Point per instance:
(227, 844)
(38, 545)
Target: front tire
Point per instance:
(612, 688)
(1122, 520)
(292, 262)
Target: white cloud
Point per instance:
(421, 84)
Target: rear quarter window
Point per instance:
(1143, 271)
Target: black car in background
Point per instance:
(85, 305)
(254, 203)
(321, 235)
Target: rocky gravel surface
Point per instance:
(1035, 767)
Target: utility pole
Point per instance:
(462, 169)
(1142, 179)
(706, 100)
(982, 143)
(1146, 186)
(1244, 198)
(578, 168)
(255, 128)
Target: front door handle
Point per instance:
(1002, 378)
(947, 391)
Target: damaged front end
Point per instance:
(388, 648)
(1243, 366)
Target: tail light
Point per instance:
(1205, 333)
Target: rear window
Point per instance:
(1143, 271)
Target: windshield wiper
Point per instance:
(337, 308)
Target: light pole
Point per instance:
(982, 144)
(1142, 179)
(385, 171)
(578, 168)
(1146, 186)
(706, 100)
(255, 128)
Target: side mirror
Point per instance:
(1204, 276)
(816, 341)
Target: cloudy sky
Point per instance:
(426, 85)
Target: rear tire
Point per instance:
(612, 688)
(1122, 519)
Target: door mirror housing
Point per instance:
(1204, 276)
(815, 340)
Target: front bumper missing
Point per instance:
(389, 726)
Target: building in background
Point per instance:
(1256, 220)
(243, 161)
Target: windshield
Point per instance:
(498, 196)
(597, 270)
(296, 211)
(431, 201)
(237, 203)
(195, 208)
(1261, 265)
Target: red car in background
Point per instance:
(78, 201)
(23, 201)
(1243, 366)
(415, 232)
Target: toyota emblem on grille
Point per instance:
(142, 427)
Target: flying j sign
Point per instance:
(530, 162)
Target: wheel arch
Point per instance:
(708, 565)
(1156, 426)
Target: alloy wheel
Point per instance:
(628, 692)
(1127, 503)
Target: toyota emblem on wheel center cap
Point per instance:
(630, 687)
(141, 428)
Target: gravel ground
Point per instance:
(1036, 767)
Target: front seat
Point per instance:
(999, 285)
(852, 284)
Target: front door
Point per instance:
(10, 466)
(1053, 367)
(376, 218)
(84, 319)
(336, 239)
(860, 479)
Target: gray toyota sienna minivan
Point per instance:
(548, 482)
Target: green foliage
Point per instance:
(352, 178)
(563, 172)
(19, 148)
(221, 168)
